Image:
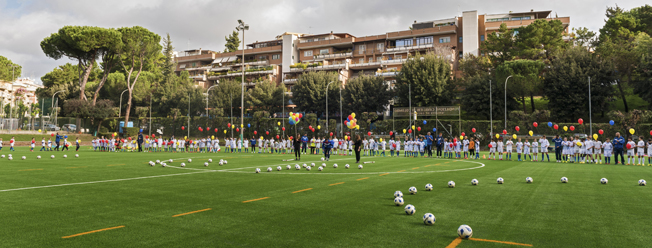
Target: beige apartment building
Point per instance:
(289, 55)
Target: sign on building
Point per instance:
(428, 111)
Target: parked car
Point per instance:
(69, 127)
(51, 127)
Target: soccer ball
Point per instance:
(151, 164)
(269, 169)
(3, 156)
(409, 209)
(257, 170)
(451, 184)
(464, 231)
(288, 167)
(23, 158)
(346, 166)
(226, 162)
(183, 164)
(221, 163)
(11, 158)
(564, 180)
(209, 160)
(10, 155)
(170, 160)
(429, 219)
(312, 164)
(604, 181)
(164, 164)
(205, 163)
(398, 194)
(359, 166)
(321, 168)
(65, 156)
(428, 187)
(279, 168)
(76, 155)
(297, 167)
(323, 164)
(52, 157)
(413, 190)
(158, 161)
(500, 180)
(529, 180)
(335, 166)
(642, 182)
(221, 160)
(308, 168)
(474, 182)
(189, 160)
(38, 157)
(398, 201)
(322, 158)
(304, 165)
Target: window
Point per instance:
(444, 39)
(498, 19)
(460, 39)
(515, 32)
(361, 49)
(380, 47)
(398, 57)
(371, 60)
(424, 40)
(276, 56)
(517, 18)
(461, 54)
(320, 39)
(527, 18)
(361, 60)
(481, 37)
(264, 57)
(404, 43)
(307, 53)
(194, 65)
(323, 51)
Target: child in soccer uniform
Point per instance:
(466, 147)
(519, 149)
(458, 149)
(526, 149)
(392, 146)
(589, 150)
(422, 145)
(499, 149)
(641, 151)
(12, 142)
(0, 144)
(544, 143)
(77, 143)
(597, 151)
(577, 144)
(582, 148)
(492, 148)
(31, 149)
(608, 150)
(398, 147)
(564, 150)
(535, 150)
(477, 148)
(630, 151)
(365, 147)
(508, 146)
(351, 146)
(42, 144)
(383, 145)
(649, 152)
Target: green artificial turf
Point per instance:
(358, 212)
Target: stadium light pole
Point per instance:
(242, 27)
(52, 105)
(506, 101)
(590, 120)
(491, 112)
(327, 130)
(150, 114)
(13, 78)
(120, 107)
(207, 91)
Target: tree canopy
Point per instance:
(8, 70)
(429, 77)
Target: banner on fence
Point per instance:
(428, 111)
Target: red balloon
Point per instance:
(535, 124)
(629, 146)
(129, 138)
(556, 126)
(391, 133)
(199, 128)
(419, 129)
(153, 135)
(350, 117)
(331, 133)
(572, 128)
(255, 132)
(228, 124)
(146, 136)
(650, 132)
(277, 137)
(183, 128)
(283, 128)
(237, 129)
(490, 146)
(369, 133)
(215, 130)
(208, 129)
(410, 131)
(300, 115)
(463, 134)
(310, 127)
(451, 145)
(267, 132)
(580, 121)
(473, 129)
(52, 135)
(601, 132)
(504, 131)
(517, 128)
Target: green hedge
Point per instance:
(130, 132)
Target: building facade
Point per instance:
(289, 55)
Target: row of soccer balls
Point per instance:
(464, 231)
(152, 163)
(500, 180)
(308, 168)
(37, 157)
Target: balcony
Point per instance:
(257, 71)
(326, 43)
(319, 68)
(210, 56)
(422, 32)
(334, 55)
(394, 61)
(199, 77)
(199, 68)
(369, 51)
(520, 23)
(387, 73)
(221, 68)
(408, 48)
(365, 65)
(254, 63)
(261, 50)
(290, 81)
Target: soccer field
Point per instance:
(118, 200)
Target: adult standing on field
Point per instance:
(618, 142)
(357, 145)
(440, 144)
(429, 141)
(140, 141)
(304, 143)
(57, 141)
(297, 148)
(558, 148)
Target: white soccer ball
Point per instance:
(500, 180)
(464, 231)
(398, 194)
(152, 164)
(38, 157)
(308, 168)
(320, 168)
(23, 158)
(529, 180)
(642, 182)
(3, 156)
(164, 164)
(52, 156)
(323, 164)
(170, 160)
(428, 187)
(257, 170)
(564, 180)
(288, 167)
(269, 169)
(359, 166)
(210, 160)
(346, 166)
(183, 164)
(297, 167)
(205, 163)
(10, 158)
(334, 165)
(413, 190)
(226, 162)
(158, 161)
(312, 164)
(304, 165)
(409, 209)
(474, 182)
(76, 155)
(322, 158)
(221, 160)
(221, 163)
(604, 181)
(429, 219)
(10, 155)
(189, 160)
(279, 168)
(398, 201)
(65, 156)
(451, 184)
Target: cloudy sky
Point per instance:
(204, 23)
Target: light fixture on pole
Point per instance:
(506, 101)
(242, 27)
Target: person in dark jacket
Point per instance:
(328, 145)
(297, 148)
(140, 141)
(618, 143)
(356, 146)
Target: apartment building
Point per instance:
(286, 57)
(23, 89)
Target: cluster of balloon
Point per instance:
(311, 128)
(295, 118)
(351, 122)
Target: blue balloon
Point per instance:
(611, 122)
(141, 130)
(65, 136)
(248, 125)
(434, 129)
(424, 122)
(549, 124)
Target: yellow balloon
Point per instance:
(530, 133)
(514, 136)
(357, 127)
(261, 137)
(353, 115)
(631, 131)
(565, 128)
(212, 136)
(186, 137)
(225, 131)
(497, 136)
(579, 143)
(413, 127)
(595, 136)
(39, 130)
(404, 130)
(279, 123)
(318, 126)
(461, 137)
(346, 137)
(115, 134)
(241, 125)
(381, 139)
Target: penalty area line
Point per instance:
(255, 199)
(501, 242)
(196, 211)
(84, 233)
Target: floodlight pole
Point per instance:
(506, 103)
(590, 120)
(491, 110)
(327, 130)
(242, 27)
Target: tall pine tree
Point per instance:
(232, 42)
